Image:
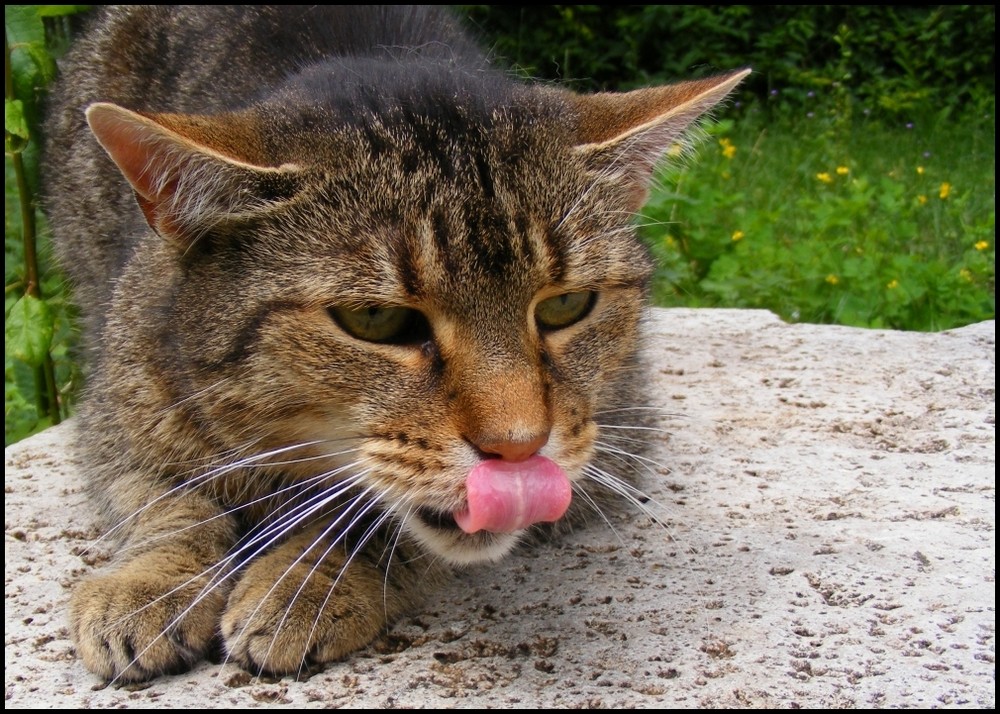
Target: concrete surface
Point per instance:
(830, 495)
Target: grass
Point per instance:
(822, 219)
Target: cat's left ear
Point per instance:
(191, 173)
(625, 135)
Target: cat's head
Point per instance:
(434, 299)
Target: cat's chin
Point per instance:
(440, 534)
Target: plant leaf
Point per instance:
(13, 116)
(28, 330)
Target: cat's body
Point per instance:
(362, 309)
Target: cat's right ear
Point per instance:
(188, 173)
(623, 136)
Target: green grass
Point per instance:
(822, 219)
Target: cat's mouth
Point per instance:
(439, 520)
(507, 497)
(440, 533)
(503, 500)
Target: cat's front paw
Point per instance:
(134, 623)
(282, 619)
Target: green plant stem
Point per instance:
(48, 395)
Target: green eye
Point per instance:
(396, 325)
(563, 310)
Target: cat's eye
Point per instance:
(564, 310)
(394, 325)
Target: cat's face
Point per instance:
(484, 305)
(407, 301)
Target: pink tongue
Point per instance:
(507, 496)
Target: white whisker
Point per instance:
(630, 493)
(199, 480)
(293, 486)
(316, 541)
(580, 488)
(635, 427)
(263, 540)
(362, 541)
(628, 456)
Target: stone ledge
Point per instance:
(831, 499)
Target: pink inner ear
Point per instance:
(140, 147)
(150, 157)
(505, 496)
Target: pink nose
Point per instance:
(515, 450)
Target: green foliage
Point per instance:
(37, 335)
(822, 220)
(28, 330)
(897, 59)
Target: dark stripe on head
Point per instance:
(432, 142)
(489, 240)
(247, 335)
(485, 176)
(377, 142)
(525, 248)
(555, 244)
(441, 234)
(406, 267)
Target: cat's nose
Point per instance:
(510, 450)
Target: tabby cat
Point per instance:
(357, 306)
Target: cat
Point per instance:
(357, 306)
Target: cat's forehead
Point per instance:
(469, 226)
(466, 204)
(454, 252)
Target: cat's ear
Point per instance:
(625, 135)
(189, 173)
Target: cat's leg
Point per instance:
(306, 603)
(157, 609)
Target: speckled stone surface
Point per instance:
(829, 496)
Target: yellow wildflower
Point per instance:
(893, 284)
(832, 279)
(920, 170)
(922, 200)
(945, 190)
(965, 274)
(825, 177)
(980, 245)
(738, 236)
(728, 150)
(843, 171)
